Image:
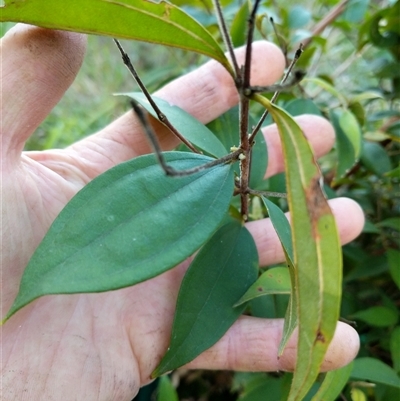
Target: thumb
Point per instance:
(38, 66)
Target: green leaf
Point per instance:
(156, 22)
(272, 281)
(316, 252)
(346, 151)
(281, 226)
(351, 128)
(380, 316)
(299, 16)
(239, 25)
(375, 158)
(374, 371)
(395, 348)
(126, 226)
(166, 391)
(298, 107)
(218, 276)
(328, 88)
(393, 256)
(191, 128)
(333, 384)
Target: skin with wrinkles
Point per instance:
(104, 346)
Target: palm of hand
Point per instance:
(106, 345)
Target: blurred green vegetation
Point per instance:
(353, 79)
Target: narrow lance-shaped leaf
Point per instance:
(282, 228)
(333, 384)
(156, 22)
(219, 275)
(316, 252)
(126, 226)
(191, 128)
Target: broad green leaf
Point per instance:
(375, 371)
(333, 384)
(128, 225)
(380, 316)
(166, 391)
(272, 281)
(316, 252)
(156, 22)
(218, 276)
(191, 128)
(375, 158)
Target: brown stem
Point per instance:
(297, 55)
(160, 157)
(161, 116)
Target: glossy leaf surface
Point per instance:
(191, 128)
(148, 21)
(316, 252)
(218, 276)
(108, 235)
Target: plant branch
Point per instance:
(297, 55)
(226, 37)
(245, 144)
(170, 171)
(327, 20)
(267, 193)
(161, 116)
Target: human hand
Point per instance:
(105, 346)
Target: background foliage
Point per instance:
(353, 79)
